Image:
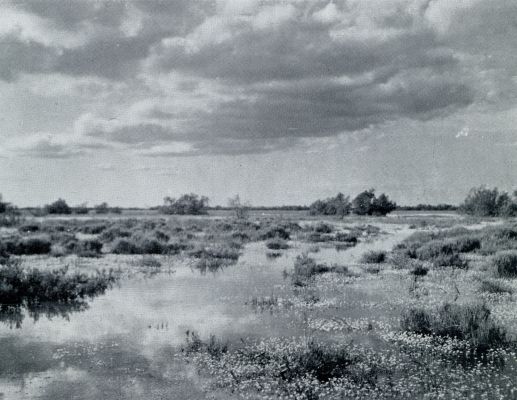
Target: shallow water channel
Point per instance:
(122, 346)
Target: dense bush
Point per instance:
(58, 207)
(366, 203)
(188, 204)
(485, 202)
(339, 205)
(505, 263)
(472, 323)
(25, 245)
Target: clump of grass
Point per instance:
(505, 264)
(469, 322)
(494, 286)
(373, 257)
(305, 268)
(277, 244)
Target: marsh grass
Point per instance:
(285, 368)
(470, 322)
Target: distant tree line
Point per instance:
(429, 207)
(484, 202)
(365, 203)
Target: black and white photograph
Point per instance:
(258, 199)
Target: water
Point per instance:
(122, 346)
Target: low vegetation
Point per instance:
(19, 285)
(373, 257)
(470, 322)
(365, 203)
(484, 202)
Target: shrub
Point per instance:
(484, 202)
(58, 207)
(440, 253)
(102, 208)
(339, 205)
(505, 263)
(373, 257)
(305, 268)
(472, 323)
(277, 244)
(366, 203)
(25, 245)
(275, 232)
(190, 204)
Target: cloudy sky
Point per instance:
(279, 101)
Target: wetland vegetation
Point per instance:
(272, 306)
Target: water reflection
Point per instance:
(13, 315)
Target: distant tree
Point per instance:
(484, 202)
(81, 209)
(339, 206)
(188, 204)
(102, 208)
(382, 205)
(363, 202)
(58, 207)
(240, 208)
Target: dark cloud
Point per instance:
(268, 75)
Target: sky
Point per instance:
(281, 102)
